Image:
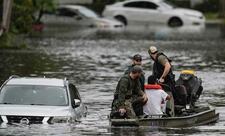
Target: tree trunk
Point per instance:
(6, 16)
(222, 9)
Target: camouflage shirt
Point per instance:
(126, 90)
(141, 79)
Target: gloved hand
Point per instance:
(145, 99)
(161, 80)
(122, 111)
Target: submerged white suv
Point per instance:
(30, 100)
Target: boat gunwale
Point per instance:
(173, 118)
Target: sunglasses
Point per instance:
(138, 60)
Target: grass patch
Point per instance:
(8, 41)
(211, 16)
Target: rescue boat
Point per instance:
(186, 112)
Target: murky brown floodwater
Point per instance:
(95, 60)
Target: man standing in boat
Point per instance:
(162, 68)
(136, 103)
(127, 87)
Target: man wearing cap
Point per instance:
(162, 68)
(137, 60)
(127, 87)
(137, 105)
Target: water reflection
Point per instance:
(151, 31)
(222, 30)
(25, 63)
(161, 32)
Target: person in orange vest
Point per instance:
(156, 96)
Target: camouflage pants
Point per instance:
(128, 107)
(170, 105)
(137, 104)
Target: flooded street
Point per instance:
(94, 60)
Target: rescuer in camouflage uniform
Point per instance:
(127, 87)
(136, 103)
(137, 60)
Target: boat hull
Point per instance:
(201, 118)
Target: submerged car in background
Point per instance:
(31, 100)
(79, 16)
(153, 12)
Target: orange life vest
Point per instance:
(152, 86)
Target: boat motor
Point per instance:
(188, 88)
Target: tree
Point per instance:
(28, 12)
(41, 6)
(222, 8)
(6, 16)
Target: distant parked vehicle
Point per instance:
(30, 100)
(80, 16)
(153, 11)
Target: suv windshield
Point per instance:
(33, 95)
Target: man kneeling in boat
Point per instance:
(156, 98)
(127, 87)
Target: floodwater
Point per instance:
(94, 60)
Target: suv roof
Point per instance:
(36, 81)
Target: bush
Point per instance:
(208, 6)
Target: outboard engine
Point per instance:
(188, 88)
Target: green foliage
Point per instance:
(208, 6)
(211, 16)
(41, 6)
(185, 4)
(24, 15)
(4, 40)
(27, 12)
(21, 19)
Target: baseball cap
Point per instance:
(152, 50)
(137, 57)
(137, 69)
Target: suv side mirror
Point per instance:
(77, 102)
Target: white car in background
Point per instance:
(153, 11)
(79, 16)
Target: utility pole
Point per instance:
(6, 16)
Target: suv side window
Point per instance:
(141, 4)
(65, 12)
(74, 94)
